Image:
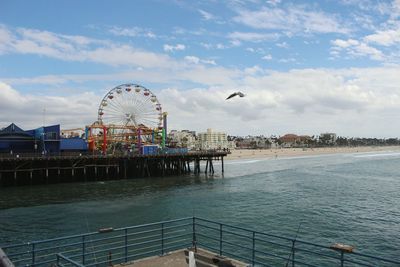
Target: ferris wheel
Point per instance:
(130, 105)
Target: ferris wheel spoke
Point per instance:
(119, 100)
(114, 117)
(143, 103)
(148, 112)
(112, 109)
(114, 112)
(114, 105)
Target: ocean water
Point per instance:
(346, 198)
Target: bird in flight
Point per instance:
(235, 94)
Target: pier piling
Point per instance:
(81, 168)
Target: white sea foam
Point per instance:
(374, 155)
(248, 161)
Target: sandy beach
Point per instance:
(292, 152)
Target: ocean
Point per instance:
(346, 198)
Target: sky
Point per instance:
(306, 67)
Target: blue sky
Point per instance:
(306, 66)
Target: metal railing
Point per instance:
(109, 246)
(263, 249)
(106, 246)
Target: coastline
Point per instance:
(293, 152)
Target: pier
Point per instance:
(32, 170)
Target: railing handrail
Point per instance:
(93, 233)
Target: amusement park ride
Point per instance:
(129, 118)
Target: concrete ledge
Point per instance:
(4, 260)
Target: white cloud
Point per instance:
(206, 15)
(294, 19)
(345, 43)
(355, 48)
(383, 43)
(257, 50)
(396, 8)
(132, 32)
(26, 110)
(209, 61)
(274, 2)
(221, 46)
(255, 70)
(371, 6)
(192, 59)
(267, 57)
(384, 37)
(196, 60)
(206, 45)
(78, 48)
(307, 101)
(171, 48)
(253, 36)
(282, 45)
(287, 60)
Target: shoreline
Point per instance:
(293, 152)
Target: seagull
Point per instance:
(235, 94)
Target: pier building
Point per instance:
(40, 141)
(184, 138)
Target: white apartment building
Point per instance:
(214, 140)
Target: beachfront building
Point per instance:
(327, 138)
(184, 138)
(214, 140)
(293, 140)
(255, 142)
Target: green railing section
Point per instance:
(109, 246)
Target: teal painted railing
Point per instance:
(112, 246)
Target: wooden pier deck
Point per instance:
(179, 258)
(30, 170)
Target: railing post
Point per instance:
(253, 256)
(293, 251)
(33, 254)
(126, 245)
(220, 239)
(58, 260)
(110, 258)
(83, 249)
(162, 238)
(194, 241)
(341, 258)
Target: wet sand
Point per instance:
(292, 152)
